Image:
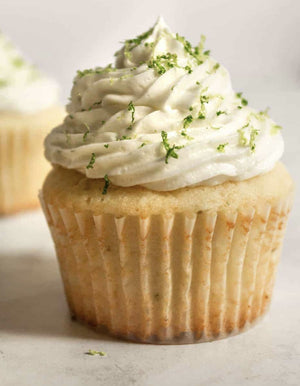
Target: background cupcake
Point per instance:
(168, 226)
(29, 107)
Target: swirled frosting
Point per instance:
(22, 87)
(165, 117)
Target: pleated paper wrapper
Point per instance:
(22, 163)
(181, 278)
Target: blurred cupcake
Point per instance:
(166, 203)
(29, 108)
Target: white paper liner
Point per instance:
(22, 168)
(169, 280)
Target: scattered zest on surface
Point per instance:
(94, 352)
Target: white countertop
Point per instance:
(40, 345)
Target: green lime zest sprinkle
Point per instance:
(71, 116)
(261, 115)
(253, 134)
(200, 47)
(221, 147)
(203, 99)
(149, 44)
(216, 67)
(18, 62)
(170, 151)
(84, 138)
(3, 83)
(198, 83)
(188, 69)
(220, 112)
(95, 104)
(130, 44)
(265, 112)
(142, 145)
(97, 70)
(196, 52)
(131, 108)
(191, 108)
(94, 352)
(106, 145)
(244, 101)
(187, 121)
(242, 138)
(90, 165)
(162, 63)
(106, 184)
(184, 134)
(123, 138)
(243, 141)
(275, 129)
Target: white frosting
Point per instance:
(251, 142)
(22, 87)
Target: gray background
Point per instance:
(258, 41)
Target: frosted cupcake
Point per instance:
(166, 203)
(29, 108)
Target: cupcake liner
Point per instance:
(181, 278)
(22, 163)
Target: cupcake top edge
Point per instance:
(23, 88)
(165, 117)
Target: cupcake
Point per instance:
(166, 202)
(29, 108)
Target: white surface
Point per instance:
(40, 345)
(256, 40)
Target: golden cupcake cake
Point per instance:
(29, 108)
(167, 202)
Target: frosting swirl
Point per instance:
(22, 87)
(164, 117)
